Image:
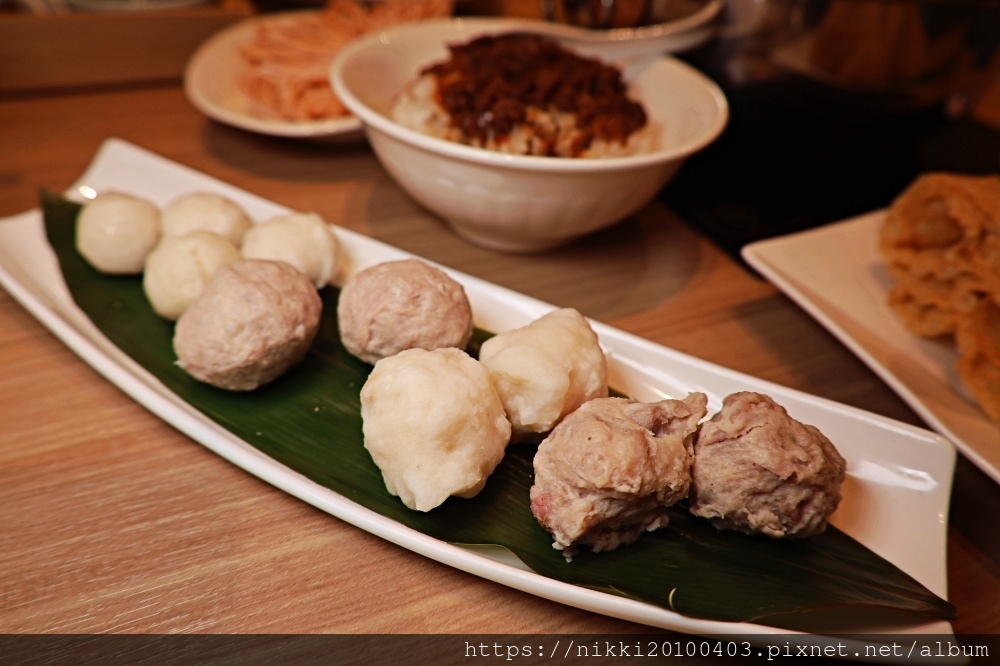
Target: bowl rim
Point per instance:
(465, 27)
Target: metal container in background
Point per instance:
(609, 14)
(909, 52)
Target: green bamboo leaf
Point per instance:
(309, 420)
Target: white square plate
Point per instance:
(836, 274)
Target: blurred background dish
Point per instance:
(677, 26)
(512, 202)
(132, 5)
(212, 84)
(628, 17)
(270, 74)
(842, 103)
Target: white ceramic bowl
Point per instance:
(519, 203)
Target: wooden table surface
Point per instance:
(113, 521)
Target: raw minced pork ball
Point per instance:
(433, 424)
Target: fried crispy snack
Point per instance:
(941, 241)
(978, 339)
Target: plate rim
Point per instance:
(75, 330)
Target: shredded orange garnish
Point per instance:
(288, 57)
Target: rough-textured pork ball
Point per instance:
(433, 424)
(115, 232)
(399, 305)
(608, 471)
(254, 321)
(758, 470)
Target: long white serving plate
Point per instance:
(836, 274)
(895, 497)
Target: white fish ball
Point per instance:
(304, 240)
(115, 232)
(178, 269)
(434, 425)
(204, 211)
(545, 370)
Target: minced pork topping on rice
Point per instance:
(524, 94)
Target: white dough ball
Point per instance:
(203, 211)
(433, 424)
(304, 240)
(115, 232)
(178, 269)
(545, 370)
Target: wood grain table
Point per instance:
(113, 521)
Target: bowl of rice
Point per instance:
(523, 157)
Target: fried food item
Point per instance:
(759, 471)
(978, 340)
(941, 242)
(397, 305)
(932, 307)
(254, 321)
(434, 425)
(545, 370)
(607, 472)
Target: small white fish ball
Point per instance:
(203, 211)
(178, 269)
(115, 232)
(434, 425)
(304, 240)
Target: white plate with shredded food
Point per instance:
(836, 274)
(898, 477)
(214, 84)
(133, 5)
